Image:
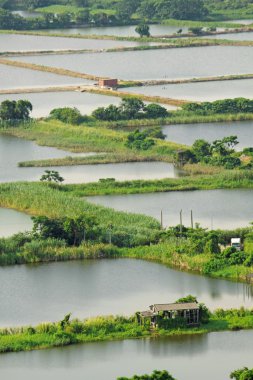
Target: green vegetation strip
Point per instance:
(96, 137)
(47, 335)
(224, 180)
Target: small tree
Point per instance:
(154, 111)
(67, 115)
(196, 30)
(242, 374)
(143, 30)
(130, 107)
(156, 375)
(51, 176)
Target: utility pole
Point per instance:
(110, 234)
(181, 223)
(191, 219)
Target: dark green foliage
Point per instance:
(139, 141)
(201, 150)
(12, 110)
(181, 9)
(143, 30)
(156, 375)
(110, 113)
(219, 153)
(242, 374)
(51, 176)
(196, 30)
(153, 111)
(130, 108)
(237, 105)
(72, 230)
(67, 115)
(183, 157)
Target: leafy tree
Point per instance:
(201, 149)
(156, 375)
(212, 243)
(51, 176)
(15, 110)
(196, 30)
(242, 374)
(143, 30)
(82, 16)
(110, 113)
(182, 9)
(138, 140)
(67, 115)
(131, 107)
(154, 111)
(126, 8)
(147, 9)
(224, 147)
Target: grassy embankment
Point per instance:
(48, 335)
(109, 142)
(167, 41)
(60, 201)
(92, 139)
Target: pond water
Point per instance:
(173, 63)
(15, 42)
(209, 357)
(188, 133)
(12, 222)
(32, 294)
(14, 150)
(44, 102)
(247, 36)
(121, 31)
(15, 77)
(225, 209)
(201, 91)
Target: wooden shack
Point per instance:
(186, 311)
(105, 83)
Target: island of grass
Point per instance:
(69, 332)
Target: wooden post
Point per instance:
(191, 219)
(181, 223)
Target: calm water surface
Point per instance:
(14, 42)
(44, 102)
(12, 222)
(15, 77)
(226, 209)
(202, 91)
(122, 31)
(209, 357)
(173, 63)
(14, 150)
(188, 133)
(46, 292)
(247, 36)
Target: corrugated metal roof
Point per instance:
(175, 306)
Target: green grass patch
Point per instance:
(48, 335)
(59, 9)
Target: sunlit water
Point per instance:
(156, 64)
(225, 209)
(201, 91)
(12, 222)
